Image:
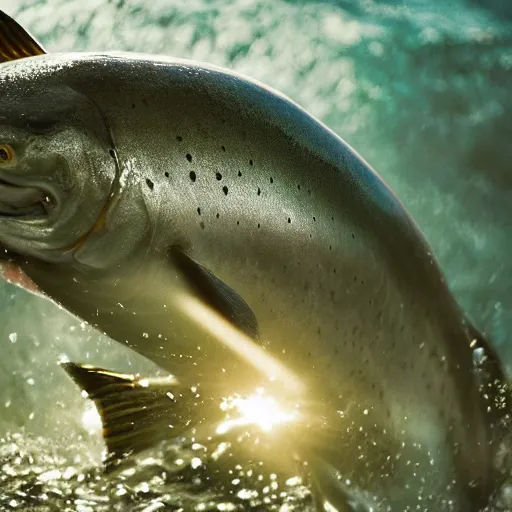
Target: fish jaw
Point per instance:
(13, 274)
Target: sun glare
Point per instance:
(257, 409)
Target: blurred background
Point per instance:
(421, 88)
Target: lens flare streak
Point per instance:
(240, 344)
(257, 409)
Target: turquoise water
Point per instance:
(420, 88)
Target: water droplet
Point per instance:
(196, 462)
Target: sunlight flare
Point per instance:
(257, 409)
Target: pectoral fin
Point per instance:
(136, 413)
(216, 293)
(15, 41)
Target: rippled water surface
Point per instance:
(422, 89)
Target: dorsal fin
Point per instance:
(15, 41)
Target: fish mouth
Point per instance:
(24, 202)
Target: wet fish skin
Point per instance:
(264, 198)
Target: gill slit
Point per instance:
(114, 193)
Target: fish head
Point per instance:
(57, 164)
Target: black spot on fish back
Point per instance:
(192, 175)
(225, 190)
(150, 184)
(188, 157)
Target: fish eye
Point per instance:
(6, 153)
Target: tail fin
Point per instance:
(136, 412)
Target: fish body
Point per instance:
(173, 181)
